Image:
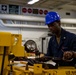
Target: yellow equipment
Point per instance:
(11, 44)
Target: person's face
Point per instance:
(54, 27)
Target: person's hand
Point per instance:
(68, 56)
(41, 55)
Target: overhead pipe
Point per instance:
(68, 20)
(21, 17)
(30, 26)
(22, 25)
(34, 18)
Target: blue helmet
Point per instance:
(51, 17)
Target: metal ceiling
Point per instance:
(48, 4)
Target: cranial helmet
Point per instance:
(51, 17)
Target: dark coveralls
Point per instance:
(67, 43)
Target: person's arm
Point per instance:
(73, 43)
(69, 55)
(75, 54)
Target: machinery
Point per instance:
(9, 43)
(11, 50)
(30, 47)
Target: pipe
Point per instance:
(21, 17)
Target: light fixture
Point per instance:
(33, 1)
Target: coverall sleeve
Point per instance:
(74, 43)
